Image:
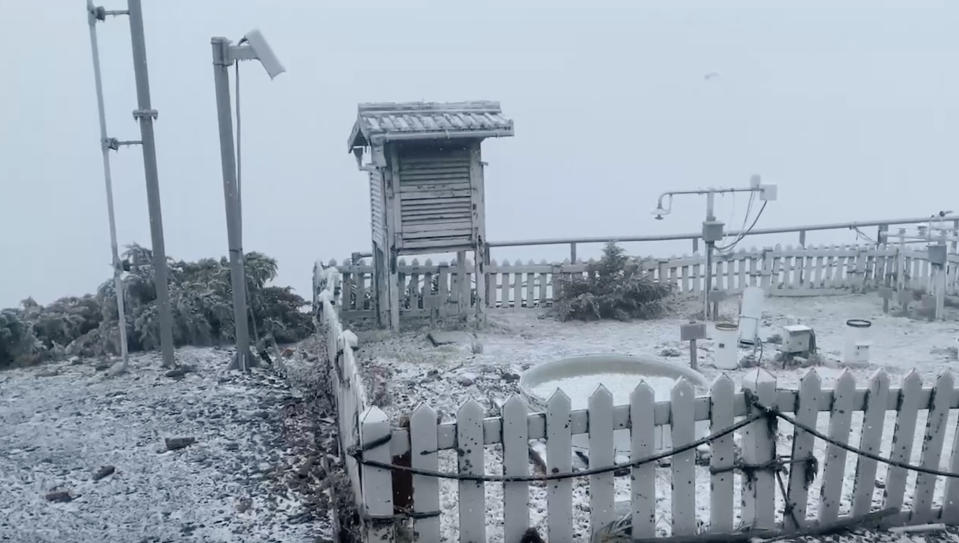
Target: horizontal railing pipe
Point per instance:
(697, 235)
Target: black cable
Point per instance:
(850, 448)
(484, 478)
(746, 232)
(764, 411)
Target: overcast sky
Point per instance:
(850, 107)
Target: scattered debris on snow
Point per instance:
(250, 469)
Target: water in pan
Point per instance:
(621, 385)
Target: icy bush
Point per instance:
(201, 301)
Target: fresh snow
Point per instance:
(62, 422)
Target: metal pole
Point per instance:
(221, 80)
(105, 149)
(693, 355)
(145, 115)
(710, 199)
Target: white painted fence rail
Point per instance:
(531, 285)
(784, 477)
(346, 382)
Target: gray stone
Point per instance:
(441, 337)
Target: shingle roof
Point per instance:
(382, 122)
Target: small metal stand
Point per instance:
(691, 332)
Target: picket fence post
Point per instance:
(559, 459)
(472, 494)
(682, 424)
(601, 455)
(840, 418)
(515, 462)
(877, 397)
(935, 434)
(642, 445)
(377, 483)
(530, 289)
(518, 288)
(723, 455)
(426, 490)
(950, 500)
(759, 491)
(902, 439)
(806, 413)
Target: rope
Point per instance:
(357, 453)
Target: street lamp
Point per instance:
(252, 46)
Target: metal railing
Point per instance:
(882, 225)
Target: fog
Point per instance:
(851, 109)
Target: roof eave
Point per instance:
(357, 138)
(379, 139)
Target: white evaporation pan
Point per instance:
(579, 377)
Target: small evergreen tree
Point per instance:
(614, 288)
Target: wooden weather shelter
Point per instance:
(426, 191)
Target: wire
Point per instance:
(763, 411)
(239, 163)
(484, 478)
(745, 232)
(239, 189)
(872, 456)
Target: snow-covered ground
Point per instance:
(405, 370)
(249, 476)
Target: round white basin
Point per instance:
(579, 377)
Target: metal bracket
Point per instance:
(240, 52)
(115, 144)
(144, 114)
(100, 13)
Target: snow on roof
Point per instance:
(382, 122)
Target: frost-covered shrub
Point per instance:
(18, 345)
(201, 301)
(614, 288)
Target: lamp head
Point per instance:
(264, 53)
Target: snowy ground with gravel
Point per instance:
(249, 476)
(406, 370)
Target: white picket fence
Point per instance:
(683, 498)
(531, 285)
(346, 382)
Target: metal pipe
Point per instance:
(690, 236)
(221, 79)
(671, 193)
(710, 216)
(709, 279)
(145, 115)
(105, 150)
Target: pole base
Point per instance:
(243, 361)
